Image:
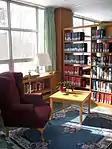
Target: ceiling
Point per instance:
(95, 9)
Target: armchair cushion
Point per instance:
(22, 107)
(19, 83)
(43, 112)
(33, 98)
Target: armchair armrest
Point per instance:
(35, 99)
(22, 107)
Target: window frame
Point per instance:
(11, 60)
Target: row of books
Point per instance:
(34, 87)
(102, 86)
(74, 36)
(102, 47)
(78, 47)
(76, 82)
(98, 33)
(101, 97)
(102, 61)
(73, 70)
(102, 73)
(76, 59)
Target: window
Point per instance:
(77, 22)
(86, 22)
(21, 36)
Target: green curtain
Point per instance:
(50, 36)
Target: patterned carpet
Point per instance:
(64, 132)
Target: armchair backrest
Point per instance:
(19, 83)
(8, 90)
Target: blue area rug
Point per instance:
(65, 132)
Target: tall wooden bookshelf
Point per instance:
(87, 60)
(76, 57)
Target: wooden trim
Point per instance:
(101, 104)
(95, 25)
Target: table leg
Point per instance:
(89, 104)
(51, 105)
(81, 110)
(63, 106)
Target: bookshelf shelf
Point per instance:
(101, 104)
(82, 65)
(103, 53)
(101, 66)
(44, 91)
(103, 39)
(83, 76)
(98, 51)
(101, 92)
(105, 80)
(77, 53)
(71, 41)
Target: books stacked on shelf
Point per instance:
(102, 60)
(34, 87)
(75, 47)
(102, 86)
(74, 36)
(75, 59)
(102, 73)
(73, 70)
(98, 32)
(102, 47)
(101, 97)
(76, 82)
(73, 74)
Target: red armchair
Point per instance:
(19, 109)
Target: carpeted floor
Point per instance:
(65, 132)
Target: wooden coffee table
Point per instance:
(76, 97)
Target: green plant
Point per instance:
(66, 84)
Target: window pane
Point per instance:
(40, 30)
(77, 22)
(24, 67)
(4, 54)
(23, 17)
(3, 14)
(86, 22)
(23, 44)
(4, 67)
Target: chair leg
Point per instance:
(7, 131)
(42, 133)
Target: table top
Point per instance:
(76, 95)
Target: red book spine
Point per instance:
(78, 70)
(105, 98)
(98, 97)
(108, 99)
(102, 97)
(81, 71)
